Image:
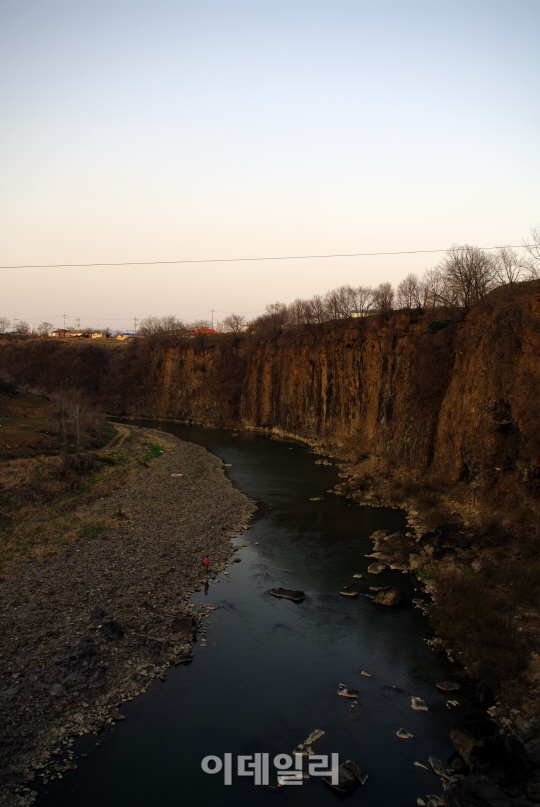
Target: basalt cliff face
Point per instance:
(460, 398)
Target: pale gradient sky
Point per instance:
(147, 130)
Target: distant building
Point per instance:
(205, 330)
(60, 332)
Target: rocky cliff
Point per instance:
(458, 396)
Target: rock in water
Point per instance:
(418, 704)
(347, 782)
(348, 693)
(351, 589)
(288, 594)
(447, 686)
(313, 736)
(357, 771)
(376, 568)
(437, 766)
(403, 734)
(390, 597)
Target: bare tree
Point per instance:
(533, 244)
(45, 328)
(234, 323)
(533, 248)
(383, 297)
(4, 324)
(363, 298)
(319, 309)
(300, 312)
(468, 274)
(432, 284)
(509, 267)
(274, 320)
(22, 328)
(156, 326)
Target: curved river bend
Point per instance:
(269, 672)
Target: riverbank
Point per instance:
(89, 627)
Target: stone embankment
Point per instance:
(90, 627)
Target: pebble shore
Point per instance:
(89, 627)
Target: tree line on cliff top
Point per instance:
(461, 279)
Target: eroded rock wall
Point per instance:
(462, 400)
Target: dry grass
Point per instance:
(40, 497)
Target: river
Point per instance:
(268, 672)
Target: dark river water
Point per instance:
(269, 673)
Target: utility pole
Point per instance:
(78, 323)
(135, 323)
(64, 322)
(212, 317)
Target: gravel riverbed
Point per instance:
(89, 627)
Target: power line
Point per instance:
(237, 260)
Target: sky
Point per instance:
(196, 130)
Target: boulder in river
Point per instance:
(357, 771)
(447, 686)
(418, 704)
(389, 596)
(376, 568)
(288, 593)
(351, 589)
(345, 692)
(347, 780)
(403, 734)
(437, 767)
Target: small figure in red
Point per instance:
(206, 562)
